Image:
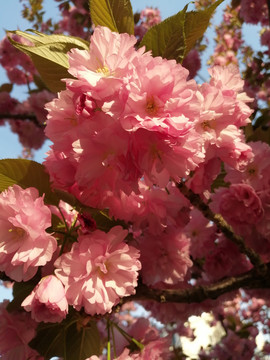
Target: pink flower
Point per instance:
(257, 172)
(17, 329)
(192, 62)
(99, 270)
(160, 98)
(239, 204)
(37, 102)
(19, 67)
(24, 245)
(109, 59)
(47, 302)
(7, 103)
(30, 135)
(254, 11)
(224, 259)
(165, 258)
(201, 233)
(155, 347)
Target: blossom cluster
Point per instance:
(128, 116)
(128, 128)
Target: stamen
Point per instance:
(105, 71)
(151, 106)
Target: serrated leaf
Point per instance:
(167, 39)
(50, 340)
(82, 342)
(196, 24)
(26, 173)
(6, 87)
(117, 15)
(49, 55)
(67, 340)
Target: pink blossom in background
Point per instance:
(201, 232)
(164, 257)
(17, 329)
(30, 135)
(224, 259)
(155, 347)
(47, 302)
(19, 67)
(99, 270)
(265, 38)
(257, 172)
(7, 103)
(25, 245)
(37, 102)
(240, 206)
(192, 62)
(148, 18)
(75, 21)
(254, 11)
(151, 16)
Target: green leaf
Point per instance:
(196, 24)
(67, 340)
(49, 55)
(167, 39)
(26, 173)
(82, 342)
(6, 87)
(117, 15)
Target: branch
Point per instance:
(197, 294)
(224, 227)
(25, 116)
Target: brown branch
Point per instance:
(197, 294)
(25, 116)
(224, 227)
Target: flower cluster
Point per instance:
(128, 115)
(99, 270)
(129, 131)
(25, 245)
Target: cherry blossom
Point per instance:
(47, 302)
(99, 270)
(25, 245)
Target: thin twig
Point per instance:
(25, 116)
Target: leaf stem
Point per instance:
(108, 341)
